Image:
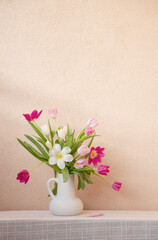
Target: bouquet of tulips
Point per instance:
(65, 153)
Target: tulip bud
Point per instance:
(23, 176)
(80, 163)
(45, 130)
(103, 169)
(49, 145)
(62, 133)
(116, 186)
(92, 122)
(89, 130)
(83, 150)
(53, 112)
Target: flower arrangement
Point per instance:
(63, 152)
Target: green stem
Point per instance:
(102, 177)
(71, 168)
(36, 166)
(48, 138)
(77, 157)
(56, 125)
(55, 173)
(80, 134)
(40, 129)
(36, 125)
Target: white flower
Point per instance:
(62, 132)
(45, 130)
(48, 144)
(59, 157)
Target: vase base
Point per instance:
(68, 207)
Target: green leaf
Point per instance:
(83, 184)
(78, 143)
(38, 146)
(54, 191)
(90, 143)
(43, 143)
(70, 140)
(82, 178)
(73, 134)
(79, 174)
(83, 169)
(81, 134)
(33, 151)
(75, 146)
(87, 137)
(79, 183)
(37, 131)
(51, 132)
(65, 173)
(87, 178)
(61, 142)
(68, 130)
(54, 167)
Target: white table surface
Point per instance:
(113, 225)
(45, 215)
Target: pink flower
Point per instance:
(92, 122)
(53, 112)
(23, 176)
(89, 130)
(80, 163)
(83, 150)
(116, 186)
(95, 155)
(103, 170)
(32, 116)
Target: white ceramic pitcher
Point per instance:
(65, 203)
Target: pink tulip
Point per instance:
(95, 155)
(53, 112)
(23, 176)
(83, 150)
(116, 186)
(80, 163)
(32, 116)
(103, 170)
(89, 130)
(92, 122)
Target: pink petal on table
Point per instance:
(97, 215)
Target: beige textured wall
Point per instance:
(88, 58)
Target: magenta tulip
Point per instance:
(32, 116)
(103, 170)
(23, 176)
(116, 186)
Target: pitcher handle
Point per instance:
(48, 186)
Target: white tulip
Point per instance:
(48, 144)
(45, 130)
(62, 132)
